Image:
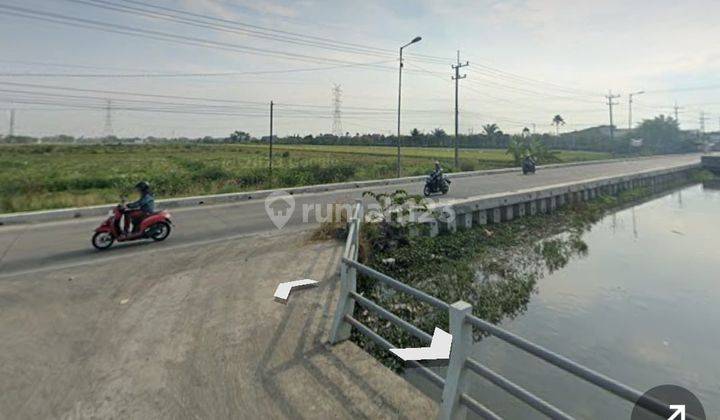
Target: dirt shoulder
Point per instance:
(191, 333)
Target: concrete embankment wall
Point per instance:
(711, 162)
(498, 208)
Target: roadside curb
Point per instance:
(98, 210)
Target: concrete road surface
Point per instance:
(33, 248)
(190, 334)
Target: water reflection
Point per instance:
(640, 306)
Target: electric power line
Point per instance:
(162, 36)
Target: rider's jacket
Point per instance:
(146, 203)
(436, 173)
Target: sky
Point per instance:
(209, 67)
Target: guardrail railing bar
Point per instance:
(623, 391)
(378, 339)
(359, 216)
(475, 406)
(432, 300)
(478, 408)
(352, 227)
(517, 391)
(396, 320)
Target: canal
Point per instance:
(643, 306)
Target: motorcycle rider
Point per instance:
(529, 161)
(138, 210)
(437, 172)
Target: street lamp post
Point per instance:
(416, 39)
(630, 96)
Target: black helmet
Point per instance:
(142, 186)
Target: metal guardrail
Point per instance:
(455, 399)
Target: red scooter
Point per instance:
(156, 226)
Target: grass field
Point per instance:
(35, 177)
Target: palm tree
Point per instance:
(557, 122)
(491, 129)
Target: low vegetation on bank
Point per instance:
(37, 177)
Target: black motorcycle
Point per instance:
(436, 183)
(528, 166)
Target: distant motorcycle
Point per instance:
(434, 184)
(528, 165)
(155, 226)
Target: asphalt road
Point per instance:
(39, 247)
(191, 334)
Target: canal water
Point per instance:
(643, 307)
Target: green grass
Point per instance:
(36, 177)
(443, 153)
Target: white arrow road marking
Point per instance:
(283, 290)
(439, 348)
(679, 410)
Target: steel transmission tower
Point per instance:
(677, 108)
(12, 123)
(337, 102)
(108, 131)
(703, 118)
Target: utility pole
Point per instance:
(457, 78)
(271, 143)
(414, 40)
(12, 123)
(676, 108)
(610, 98)
(630, 102)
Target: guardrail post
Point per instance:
(509, 212)
(434, 228)
(461, 331)
(348, 281)
(480, 217)
(533, 208)
(542, 205)
(522, 207)
(340, 329)
(496, 215)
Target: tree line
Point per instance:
(657, 135)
